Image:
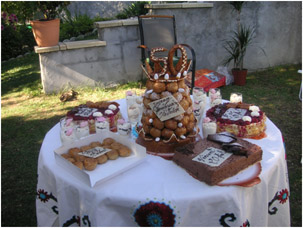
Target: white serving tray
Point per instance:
(105, 171)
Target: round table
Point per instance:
(157, 192)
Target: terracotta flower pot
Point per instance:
(46, 33)
(239, 76)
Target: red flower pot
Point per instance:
(239, 76)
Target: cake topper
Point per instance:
(162, 68)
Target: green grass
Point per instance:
(27, 114)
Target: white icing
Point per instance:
(82, 131)
(157, 139)
(246, 118)
(150, 120)
(108, 112)
(67, 136)
(180, 125)
(254, 108)
(149, 91)
(166, 76)
(112, 107)
(97, 114)
(178, 75)
(101, 126)
(209, 128)
(235, 98)
(156, 76)
(185, 73)
(212, 157)
(182, 137)
(124, 129)
(181, 90)
(255, 113)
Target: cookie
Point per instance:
(108, 141)
(149, 84)
(74, 151)
(102, 159)
(159, 87)
(90, 164)
(124, 151)
(157, 123)
(172, 87)
(116, 146)
(171, 124)
(66, 156)
(184, 103)
(167, 133)
(155, 132)
(112, 155)
(95, 144)
(180, 131)
(78, 164)
(84, 148)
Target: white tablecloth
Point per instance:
(158, 192)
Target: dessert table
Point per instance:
(157, 192)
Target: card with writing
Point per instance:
(166, 108)
(234, 114)
(212, 157)
(94, 152)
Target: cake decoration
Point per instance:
(166, 108)
(212, 157)
(213, 162)
(94, 152)
(229, 117)
(169, 106)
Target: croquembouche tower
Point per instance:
(168, 120)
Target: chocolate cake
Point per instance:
(207, 161)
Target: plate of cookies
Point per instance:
(99, 157)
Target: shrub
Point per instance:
(135, 9)
(74, 26)
(15, 39)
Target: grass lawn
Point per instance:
(27, 114)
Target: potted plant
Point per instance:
(46, 30)
(236, 47)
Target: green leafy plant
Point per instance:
(135, 9)
(51, 9)
(237, 45)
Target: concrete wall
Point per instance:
(98, 8)
(88, 63)
(278, 27)
(117, 60)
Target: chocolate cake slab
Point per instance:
(206, 161)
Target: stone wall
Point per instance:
(278, 27)
(98, 8)
(115, 58)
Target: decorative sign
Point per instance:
(94, 152)
(85, 112)
(212, 157)
(166, 108)
(234, 114)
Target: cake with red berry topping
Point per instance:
(243, 120)
(92, 111)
